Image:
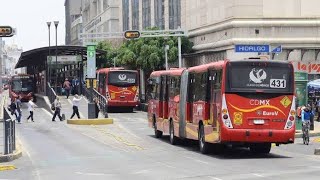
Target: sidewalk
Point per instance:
(315, 132)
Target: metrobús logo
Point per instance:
(122, 77)
(257, 75)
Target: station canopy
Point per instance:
(38, 57)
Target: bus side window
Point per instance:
(200, 87)
(217, 84)
(191, 88)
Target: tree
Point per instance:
(107, 60)
(148, 53)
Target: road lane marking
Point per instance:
(7, 167)
(258, 175)
(215, 178)
(46, 111)
(197, 160)
(127, 130)
(142, 171)
(37, 173)
(103, 142)
(167, 165)
(118, 138)
(93, 174)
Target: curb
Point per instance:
(10, 157)
(90, 121)
(312, 134)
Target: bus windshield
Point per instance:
(122, 78)
(24, 85)
(253, 77)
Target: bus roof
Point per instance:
(170, 72)
(205, 67)
(106, 70)
(220, 64)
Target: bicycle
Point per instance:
(305, 132)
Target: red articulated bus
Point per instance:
(245, 102)
(22, 85)
(119, 86)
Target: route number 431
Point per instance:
(277, 83)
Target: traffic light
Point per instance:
(132, 34)
(6, 31)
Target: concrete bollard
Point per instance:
(317, 151)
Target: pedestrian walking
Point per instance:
(75, 106)
(31, 107)
(13, 107)
(67, 87)
(18, 105)
(57, 106)
(96, 105)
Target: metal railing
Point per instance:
(102, 101)
(51, 93)
(9, 125)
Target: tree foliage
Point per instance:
(106, 60)
(144, 53)
(149, 53)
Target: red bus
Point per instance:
(246, 102)
(22, 85)
(119, 86)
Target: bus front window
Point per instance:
(123, 78)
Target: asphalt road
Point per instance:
(128, 150)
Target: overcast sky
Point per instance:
(29, 17)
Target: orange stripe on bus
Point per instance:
(256, 108)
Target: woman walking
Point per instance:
(57, 111)
(31, 107)
(75, 102)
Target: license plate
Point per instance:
(258, 121)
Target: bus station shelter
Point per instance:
(47, 69)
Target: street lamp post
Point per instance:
(56, 25)
(47, 67)
(166, 55)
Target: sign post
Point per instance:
(91, 74)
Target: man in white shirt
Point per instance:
(75, 102)
(31, 106)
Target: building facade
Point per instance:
(216, 26)
(72, 13)
(144, 14)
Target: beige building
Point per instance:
(215, 26)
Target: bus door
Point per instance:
(164, 96)
(215, 95)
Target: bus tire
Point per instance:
(261, 148)
(173, 139)
(157, 133)
(203, 145)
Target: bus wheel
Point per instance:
(261, 148)
(157, 133)
(203, 145)
(173, 139)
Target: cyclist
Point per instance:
(306, 115)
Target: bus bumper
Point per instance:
(258, 135)
(122, 104)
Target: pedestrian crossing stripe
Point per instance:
(7, 167)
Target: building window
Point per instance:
(135, 14)
(174, 14)
(125, 14)
(159, 13)
(146, 14)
